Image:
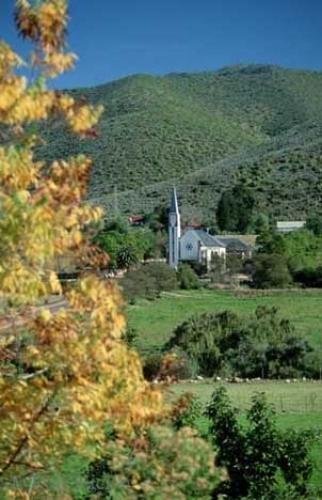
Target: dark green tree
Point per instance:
(262, 461)
(314, 224)
(235, 209)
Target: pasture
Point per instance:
(298, 405)
(155, 320)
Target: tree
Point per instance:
(126, 246)
(235, 209)
(126, 257)
(314, 224)
(61, 375)
(262, 461)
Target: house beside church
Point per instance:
(197, 245)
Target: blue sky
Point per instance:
(116, 38)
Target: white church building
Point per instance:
(197, 245)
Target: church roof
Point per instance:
(234, 244)
(207, 239)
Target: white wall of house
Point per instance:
(208, 253)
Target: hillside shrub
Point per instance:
(262, 461)
(261, 345)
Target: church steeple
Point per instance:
(174, 228)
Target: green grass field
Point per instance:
(155, 321)
(298, 405)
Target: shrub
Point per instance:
(169, 366)
(138, 284)
(148, 281)
(262, 461)
(199, 268)
(187, 278)
(262, 345)
(125, 245)
(126, 257)
(309, 277)
(174, 367)
(163, 274)
(271, 271)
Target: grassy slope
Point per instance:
(156, 320)
(178, 128)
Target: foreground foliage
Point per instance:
(61, 375)
(162, 464)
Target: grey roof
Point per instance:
(234, 244)
(207, 239)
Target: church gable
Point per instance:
(189, 246)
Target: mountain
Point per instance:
(203, 132)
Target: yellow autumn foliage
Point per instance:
(63, 375)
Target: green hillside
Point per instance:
(202, 132)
